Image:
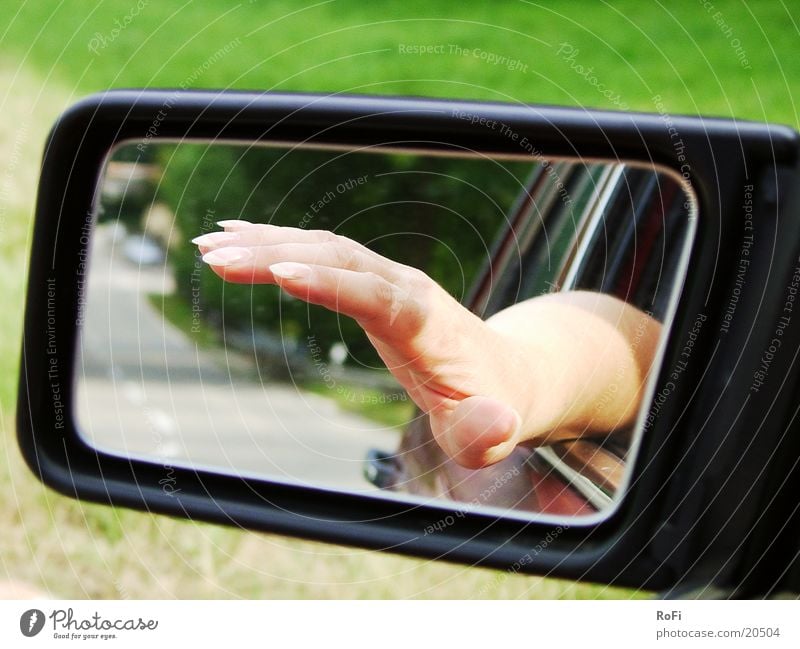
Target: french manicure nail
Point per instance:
(290, 270)
(227, 256)
(215, 239)
(233, 223)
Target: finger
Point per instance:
(244, 233)
(232, 225)
(264, 234)
(374, 302)
(267, 235)
(478, 432)
(251, 264)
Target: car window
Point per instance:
(620, 231)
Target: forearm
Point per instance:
(581, 364)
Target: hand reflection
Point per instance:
(559, 366)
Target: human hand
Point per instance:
(482, 388)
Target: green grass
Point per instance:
(178, 311)
(390, 409)
(636, 50)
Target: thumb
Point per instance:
(478, 432)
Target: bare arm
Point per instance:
(596, 352)
(554, 367)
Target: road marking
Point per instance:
(162, 422)
(133, 392)
(162, 425)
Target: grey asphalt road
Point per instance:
(145, 389)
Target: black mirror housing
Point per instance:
(719, 449)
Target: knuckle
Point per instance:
(326, 236)
(417, 279)
(344, 256)
(422, 286)
(425, 296)
(384, 292)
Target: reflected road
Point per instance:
(146, 389)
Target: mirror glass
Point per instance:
(181, 368)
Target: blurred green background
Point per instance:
(735, 59)
(408, 208)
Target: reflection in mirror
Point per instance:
(180, 367)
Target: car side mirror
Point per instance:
(147, 382)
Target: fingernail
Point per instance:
(215, 239)
(233, 223)
(227, 256)
(290, 270)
